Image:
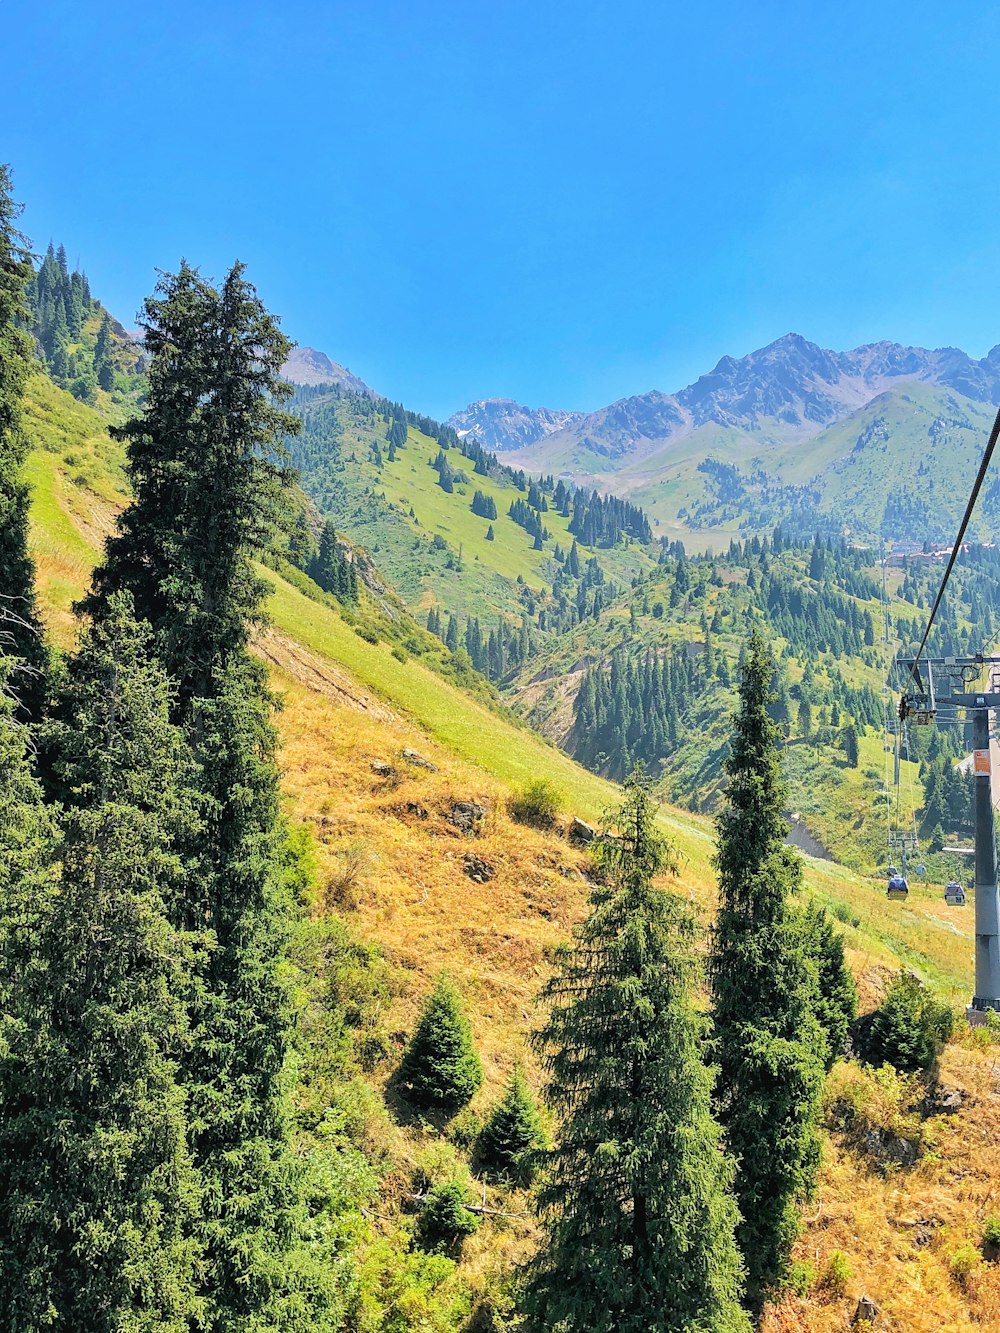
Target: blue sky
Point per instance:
(561, 202)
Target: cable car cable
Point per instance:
(980, 478)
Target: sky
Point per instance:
(559, 201)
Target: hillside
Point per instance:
(792, 432)
(392, 865)
(510, 575)
(404, 487)
(649, 680)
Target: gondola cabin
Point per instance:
(954, 894)
(898, 888)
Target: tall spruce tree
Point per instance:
(27, 880)
(770, 1046)
(205, 463)
(103, 365)
(97, 1189)
(204, 459)
(836, 1004)
(636, 1203)
(19, 622)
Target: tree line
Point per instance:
(59, 305)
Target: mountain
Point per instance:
(307, 366)
(791, 385)
(769, 436)
(502, 424)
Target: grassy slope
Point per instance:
(348, 702)
(486, 585)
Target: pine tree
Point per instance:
(97, 1189)
(204, 459)
(205, 463)
(909, 1028)
(513, 1133)
(20, 632)
(27, 879)
(636, 1200)
(301, 544)
(769, 1043)
(440, 1068)
(850, 744)
(451, 633)
(103, 366)
(325, 568)
(836, 1004)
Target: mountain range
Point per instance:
(881, 440)
(790, 386)
(792, 433)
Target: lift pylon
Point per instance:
(951, 682)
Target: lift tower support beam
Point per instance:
(961, 673)
(987, 994)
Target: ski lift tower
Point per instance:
(955, 682)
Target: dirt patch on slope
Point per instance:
(319, 674)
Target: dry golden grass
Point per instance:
(411, 891)
(901, 1230)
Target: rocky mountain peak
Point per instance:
(502, 423)
(308, 366)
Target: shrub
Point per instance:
(964, 1264)
(366, 632)
(845, 914)
(370, 1049)
(399, 653)
(444, 1219)
(354, 864)
(537, 803)
(440, 1068)
(465, 1129)
(801, 1276)
(836, 1274)
(859, 1100)
(991, 1233)
(512, 1133)
(910, 1028)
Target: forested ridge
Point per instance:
(208, 1118)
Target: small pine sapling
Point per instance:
(512, 1134)
(440, 1069)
